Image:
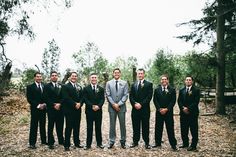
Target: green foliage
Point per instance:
(50, 60)
(90, 59)
(126, 66)
(27, 78)
(164, 63)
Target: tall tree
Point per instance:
(219, 18)
(90, 59)
(50, 60)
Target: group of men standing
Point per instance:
(66, 101)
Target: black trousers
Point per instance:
(189, 122)
(72, 124)
(37, 117)
(55, 118)
(95, 117)
(169, 122)
(140, 119)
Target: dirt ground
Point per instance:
(216, 138)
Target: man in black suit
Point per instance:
(164, 100)
(35, 97)
(72, 103)
(188, 101)
(55, 114)
(94, 99)
(140, 97)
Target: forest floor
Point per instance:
(216, 137)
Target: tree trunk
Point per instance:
(220, 75)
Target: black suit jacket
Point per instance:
(142, 96)
(189, 100)
(164, 99)
(91, 98)
(71, 96)
(52, 95)
(34, 96)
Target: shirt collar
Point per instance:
(189, 88)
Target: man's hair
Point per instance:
(36, 73)
(141, 69)
(116, 69)
(189, 76)
(73, 72)
(165, 75)
(52, 72)
(93, 74)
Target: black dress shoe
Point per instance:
(123, 146)
(87, 147)
(133, 145)
(156, 145)
(147, 146)
(67, 149)
(110, 146)
(79, 146)
(32, 147)
(51, 147)
(174, 148)
(100, 146)
(183, 146)
(191, 148)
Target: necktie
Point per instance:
(39, 88)
(164, 89)
(187, 90)
(94, 89)
(139, 85)
(116, 85)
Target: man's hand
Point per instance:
(116, 107)
(77, 106)
(137, 106)
(186, 110)
(163, 111)
(95, 107)
(41, 106)
(57, 106)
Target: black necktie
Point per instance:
(164, 89)
(94, 89)
(187, 90)
(39, 88)
(139, 85)
(116, 85)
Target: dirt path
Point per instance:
(216, 138)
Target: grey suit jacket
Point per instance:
(118, 97)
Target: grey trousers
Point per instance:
(112, 131)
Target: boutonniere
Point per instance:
(97, 90)
(78, 88)
(142, 85)
(190, 93)
(167, 91)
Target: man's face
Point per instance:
(116, 74)
(164, 81)
(54, 77)
(38, 78)
(93, 79)
(73, 77)
(188, 81)
(140, 74)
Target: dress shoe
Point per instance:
(32, 147)
(67, 149)
(156, 145)
(191, 148)
(174, 148)
(133, 145)
(110, 146)
(79, 146)
(51, 147)
(87, 147)
(123, 146)
(147, 146)
(183, 146)
(100, 146)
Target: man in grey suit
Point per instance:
(117, 94)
